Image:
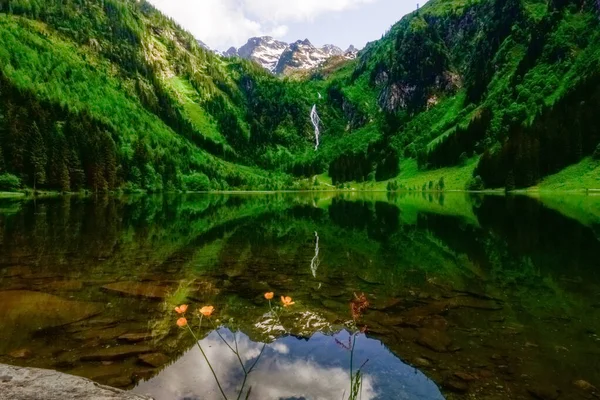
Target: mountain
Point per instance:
(281, 58)
(458, 94)
(302, 55)
(351, 52)
(265, 51)
(202, 44)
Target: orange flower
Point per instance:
(269, 295)
(181, 309)
(287, 301)
(207, 310)
(181, 322)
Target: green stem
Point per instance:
(250, 370)
(237, 354)
(257, 358)
(206, 358)
(253, 365)
(351, 362)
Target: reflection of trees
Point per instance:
(106, 232)
(555, 244)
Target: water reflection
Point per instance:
(290, 368)
(314, 263)
(480, 293)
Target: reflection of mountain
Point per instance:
(284, 371)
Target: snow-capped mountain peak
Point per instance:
(264, 50)
(280, 57)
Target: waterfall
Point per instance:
(316, 121)
(314, 264)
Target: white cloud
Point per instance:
(297, 10)
(218, 23)
(224, 23)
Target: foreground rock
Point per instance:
(38, 384)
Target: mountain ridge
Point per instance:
(280, 57)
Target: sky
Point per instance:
(225, 23)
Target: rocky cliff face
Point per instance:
(282, 58)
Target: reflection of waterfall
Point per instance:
(314, 264)
(316, 121)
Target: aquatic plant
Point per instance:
(358, 306)
(206, 312)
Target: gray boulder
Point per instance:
(18, 383)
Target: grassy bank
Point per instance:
(585, 175)
(581, 177)
(412, 178)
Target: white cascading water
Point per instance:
(316, 121)
(314, 264)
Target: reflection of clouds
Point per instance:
(280, 348)
(276, 376)
(300, 378)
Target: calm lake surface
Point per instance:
(470, 296)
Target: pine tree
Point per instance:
(442, 184)
(76, 172)
(596, 154)
(64, 180)
(110, 161)
(39, 157)
(2, 166)
(2, 139)
(510, 181)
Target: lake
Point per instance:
(429, 295)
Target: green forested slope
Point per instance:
(112, 94)
(513, 80)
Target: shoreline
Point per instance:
(530, 191)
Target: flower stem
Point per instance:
(206, 358)
(250, 370)
(351, 362)
(237, 354)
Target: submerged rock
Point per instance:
(116, 353)
(544, 393)
(434, 340)
(21, 353)
(584, 385)
(64, 286)
(100, 333)
(135, 337)
(27, 312)
(155, 359)
(456, 385)
(38, 384)
(421, 362)
(465, 376)
(138, 289)
(16, 271)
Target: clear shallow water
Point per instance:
(490, 297)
